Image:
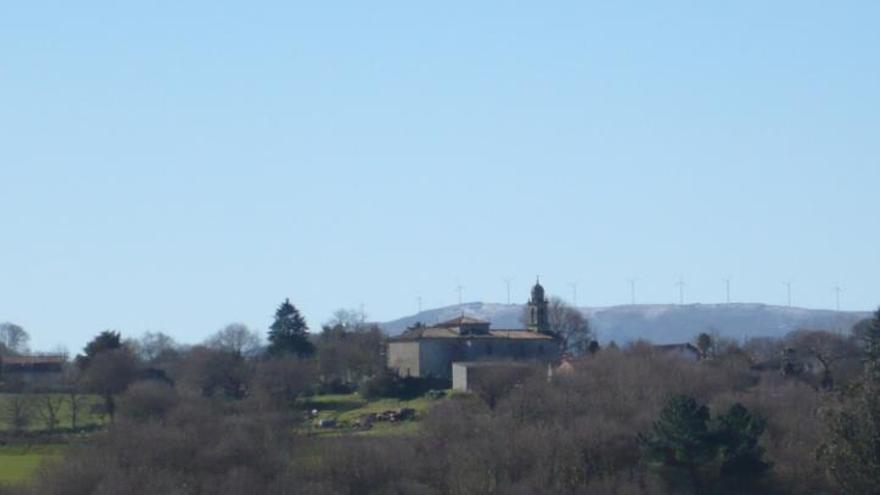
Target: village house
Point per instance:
(430, 351)
(35, 371)
(686, 351)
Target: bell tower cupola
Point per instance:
(538, 310)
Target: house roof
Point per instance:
(32, 360)
(677, 347)
(462, 321)
(772, 364)
(493, 364)
(449, 333)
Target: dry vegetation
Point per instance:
(222, 422)
(576, 434)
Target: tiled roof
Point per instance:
(494, 364)
(520, 334)
(31, 360)
(460, 321)
(447, 333)
(678, 347)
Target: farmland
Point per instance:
(32, 410)
(19, 462)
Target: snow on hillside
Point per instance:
(659, 323)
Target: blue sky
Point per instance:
(176, 166)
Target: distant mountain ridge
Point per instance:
(659, 323)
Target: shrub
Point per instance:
(147, 400)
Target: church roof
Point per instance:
(448, 333)
(462, 321)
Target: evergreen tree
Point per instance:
(852, 446)
(107, 340)
(737, 434)
(870, 337)
(852, 441)
(705, 345)
(689, 452)
(288, 334)
(680, 444)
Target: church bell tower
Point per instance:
(538, 310)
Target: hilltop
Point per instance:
(659, 323)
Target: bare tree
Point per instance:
(346, 318)
(763, 348)
(146, 400)
(212, 371)
(154, 346)
(493, 382)
(18, 410)
(280, 380)
(76, 402)
(109, 373)
(569, 324)
(825, 348)
(347, 355)
(72, 385)
(236, 338)
(48, 408)
(14, 337)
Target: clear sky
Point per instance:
(176, 166)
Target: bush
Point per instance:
(380, 385)
(199, 447)
(389, 385)
(147, 400)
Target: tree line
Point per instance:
(793, 415)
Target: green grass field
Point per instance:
(34, 405)
(348, 408)
(19, 463)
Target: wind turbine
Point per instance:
(680, 284)
(788, 290)
(632, 290)
(837, 291)
(460, 289)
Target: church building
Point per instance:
(430, 351)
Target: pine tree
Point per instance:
(851, 449)
(852, 442)
(680, 443)
(107, 340)
(687, 450)
(737, 434)
(705, 344)
(288, 334)
(871, 343)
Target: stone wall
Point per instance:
(434, 357)
(437, 356)
(403, 358)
